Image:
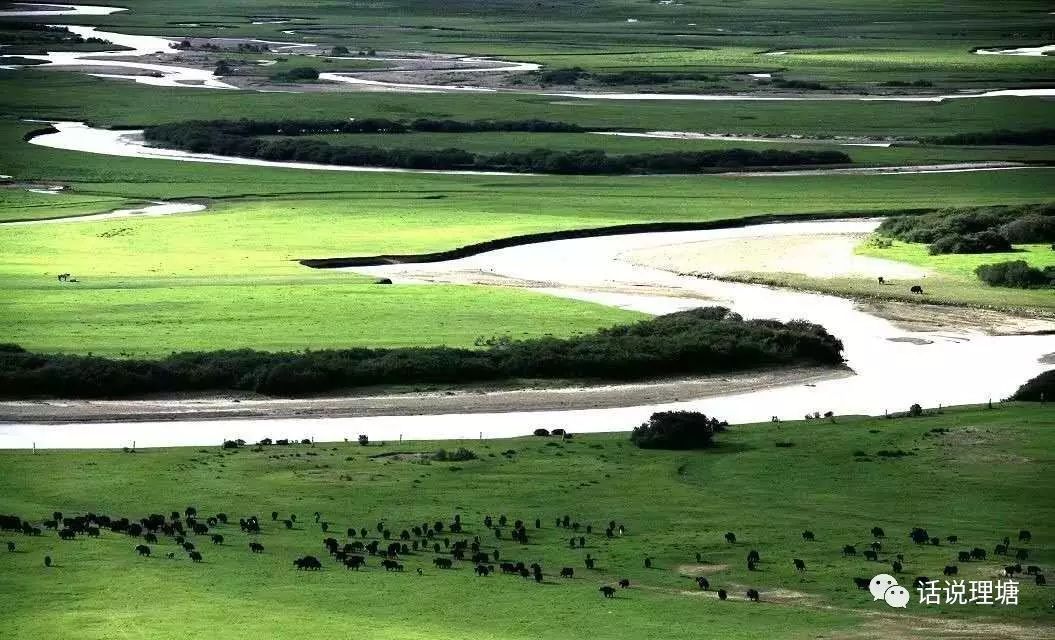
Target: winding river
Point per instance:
(894, 367)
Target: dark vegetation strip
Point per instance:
(569, 234)
(239, 138)
(1031, 137)
(699, 341)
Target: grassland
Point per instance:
(227, 277)
(982, 479)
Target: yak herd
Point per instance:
(452, 547)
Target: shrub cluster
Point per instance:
(297, 74)
(461, 454)
(976, 229)
(1041, 388)
(1016, 273)
(677, 430)
(705, 340)
(238, 138)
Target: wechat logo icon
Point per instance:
(885, 587)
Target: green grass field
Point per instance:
(227, 277)
(983, 478)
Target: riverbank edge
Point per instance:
(386, 401)
(470, 250)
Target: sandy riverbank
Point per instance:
(413, 403)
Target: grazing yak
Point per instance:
(67, 534)
(808, 536)
(195, 556)
(216, 538)
(752, 595)
(1000, 549)
(567, 572)
(150, 537)
(703, 583)
(752, 556)
(896, 566)
(354, 562)
(143, 550)
(482, 570)
(309, 563)
(624, 584)
(871, 555)
(849, 550)
(950, 570)
(391, 565)
(442, 563)
(730, 537)
(1011, 570)
(722, 594)
(978, 553)
(916, 289)
(47, 561)
(964, 556)
(861, 583)
(920, 582)
(256, 547)
(1024, 536)
(609, 592)
(799, 565)
(10, 547)
(877, 532)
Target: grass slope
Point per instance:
(981, 480)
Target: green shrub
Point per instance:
(1039, 389)
(677, 430)
(1015, 273)
(982, 242)
(460, 455)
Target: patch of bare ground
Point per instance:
(694, 570)
(933, 317)
(885, 626)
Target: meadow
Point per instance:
(976, 473)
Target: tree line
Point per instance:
(699, 341)
(1030, 137)
(239, 138)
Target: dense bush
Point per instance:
(677, 430)
(238, 138)
(982, 242)
(1003, 136)
(461, 454)
(1041, 388)
(976, 229)
(706, 340)
(297, 74)
(1015, 273)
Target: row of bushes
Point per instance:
(705, 340)
(206, 139)
(179, 131)
(976, 229)
(1016, 273)
(1033, 137)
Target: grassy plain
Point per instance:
(982, 479)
